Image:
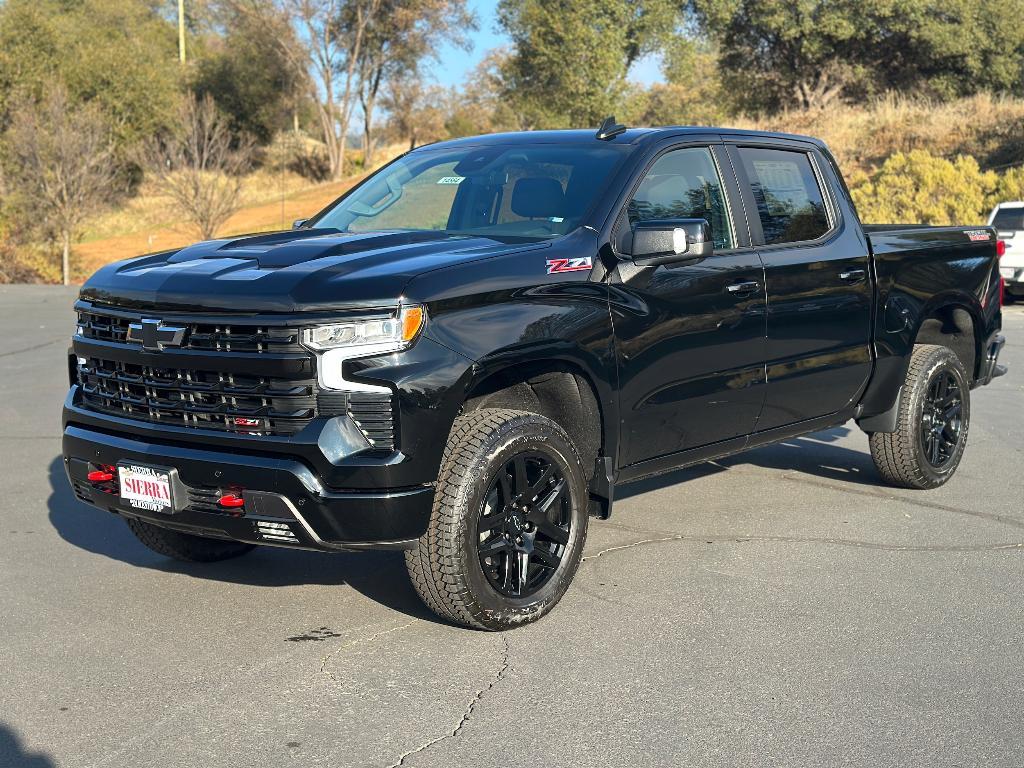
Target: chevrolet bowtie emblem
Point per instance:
(154, 335)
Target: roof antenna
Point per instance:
(609, 129)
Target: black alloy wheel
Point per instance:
(932, 421)
(941, 419)
(523, 527)
(508, 524)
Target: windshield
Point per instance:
(1009, 218)
(529, 191)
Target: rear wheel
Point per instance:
(509, 521)
(184, 547)
(931, 429)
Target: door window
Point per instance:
(684, 184)
(786, 191)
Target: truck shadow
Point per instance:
(817, 454)
(13, 755)
(379, 576)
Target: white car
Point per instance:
(1008, 219)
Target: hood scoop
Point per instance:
(286, 249)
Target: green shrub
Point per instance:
(919, 188)
(1010, 187)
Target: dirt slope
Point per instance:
(258, 218)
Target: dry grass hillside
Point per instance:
(147, 223)
(989, 128)
(863, 137)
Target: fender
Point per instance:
(906, 265)
(508, 312)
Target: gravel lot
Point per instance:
(780, 607)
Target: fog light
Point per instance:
(276, 532)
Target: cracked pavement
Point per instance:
(780, 606)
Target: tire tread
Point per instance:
(433, 564)
(184, 547)
(896, 455)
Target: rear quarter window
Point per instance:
(789, 200)
(1009, 219)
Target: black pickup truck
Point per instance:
(467, 353)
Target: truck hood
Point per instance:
(291, 271)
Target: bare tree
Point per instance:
(201, 165)
(324, 49)
(398, 39)
(416, 113)
(61, 166)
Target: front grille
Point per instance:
(222, 337)
(219, 400)
(200, 399)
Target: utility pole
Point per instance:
(181, 31)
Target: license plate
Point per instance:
(145, 487)
(1007, 272)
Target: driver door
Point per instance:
(690, 336)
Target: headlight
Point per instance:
(382, 333)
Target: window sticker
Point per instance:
(451, 180)
(784, 187)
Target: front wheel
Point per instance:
(931, 429)
(509, 521)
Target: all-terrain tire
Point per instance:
(900, 456)
(184, 547)
(446, 565)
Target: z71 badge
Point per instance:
(977, 235)
(580, 263)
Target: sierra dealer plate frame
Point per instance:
(145, 488)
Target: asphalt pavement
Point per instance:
(781, 607)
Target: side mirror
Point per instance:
(299, 223)
(663, 241)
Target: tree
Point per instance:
(118, 55)
(809, 53)
(200, 165)
(692, 94)
(416, 112)
(399, 37)
(61, 164)
(958, 48)
(570, 58)
(245, 73)
(324, 54)
(481, 105)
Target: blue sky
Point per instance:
(454, 65)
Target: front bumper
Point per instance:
(277, 491)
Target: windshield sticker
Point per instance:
(556, 219)
(977, 235)
(451, 180)
(580, 263)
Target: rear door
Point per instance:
(818, 281)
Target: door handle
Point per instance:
(853, 276)
(744, 288)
